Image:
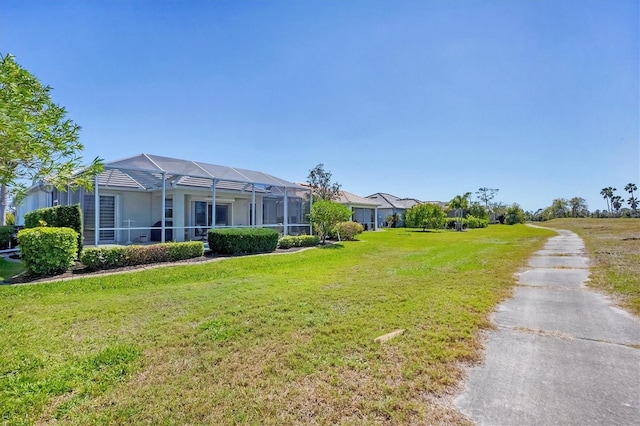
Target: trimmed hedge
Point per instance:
(470, 222)
(58, 216)
(347, 231)
(290, 241)
(120, 256)
(242, 240)
(6, 233)
(46, 251)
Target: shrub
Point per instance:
(476, 222)
(425, 216)
(6, 234)
(290, 241)
(58, 216)
(242, 240)
(347, 231)
(117, 257)
(46, 251)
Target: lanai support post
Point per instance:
(164, 193)
(286, 212)
(375, 219)
(213, 204)
(253, 205)
(96, 203)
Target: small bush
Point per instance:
(242, 240)
(347, 231)
(117, 257)
(6, 234)
(46, 251)
(290, 241)
(58, 216)
(476, 222)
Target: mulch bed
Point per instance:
(79, 270)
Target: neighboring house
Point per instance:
(364, 209)
(154, 198)
(390, 205)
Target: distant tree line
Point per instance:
(577, 206)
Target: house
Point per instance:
(364, 210)
(154, 198)
(390, 205)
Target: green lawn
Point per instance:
(614, 248)
(9, 269)
(276, 339)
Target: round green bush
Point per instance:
(47, 251)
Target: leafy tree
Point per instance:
(425, 216)
(320, 182)
(37, 141)
(325, 214)
(559, 208)
(514, 215)
(607, 194)
(486, 195)
(578, 207)
(632, 201)
(477, 210)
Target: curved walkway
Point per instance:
(562, 353)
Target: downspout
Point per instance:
(310, 207)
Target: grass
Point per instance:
(9, 269)
(614, 247)
(279, 339)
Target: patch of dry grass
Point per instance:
(614, 247)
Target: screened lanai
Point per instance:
(150, 198)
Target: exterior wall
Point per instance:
(33, 201)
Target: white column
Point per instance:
(286, 212)
(213, 204)
(164, 193)
(310, 207)
(253, 206)
(179, 217)
(96, 201)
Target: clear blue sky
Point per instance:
(424, 99)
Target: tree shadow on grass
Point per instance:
(331, 246)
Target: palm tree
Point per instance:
(633, 201)
(616, 202)
(607, 193)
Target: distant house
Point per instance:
(365, 210)
(153, 198)
(390, 205)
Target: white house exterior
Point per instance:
(154, 198)
(364, 210)
(390, 205)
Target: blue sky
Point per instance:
(423, 99)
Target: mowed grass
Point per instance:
(274, 339)
(9, 269)
(614, 247)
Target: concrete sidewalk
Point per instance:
(562, 354)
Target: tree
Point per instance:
(578, 207)
(425, 216)
(616, 203)
(632, 201)
(514, 215)
(486, 195)
(607, 193)
(479, 211)
(320, 182)
(459, 202)
(559, 208)
(325, 214)
(37, 141)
